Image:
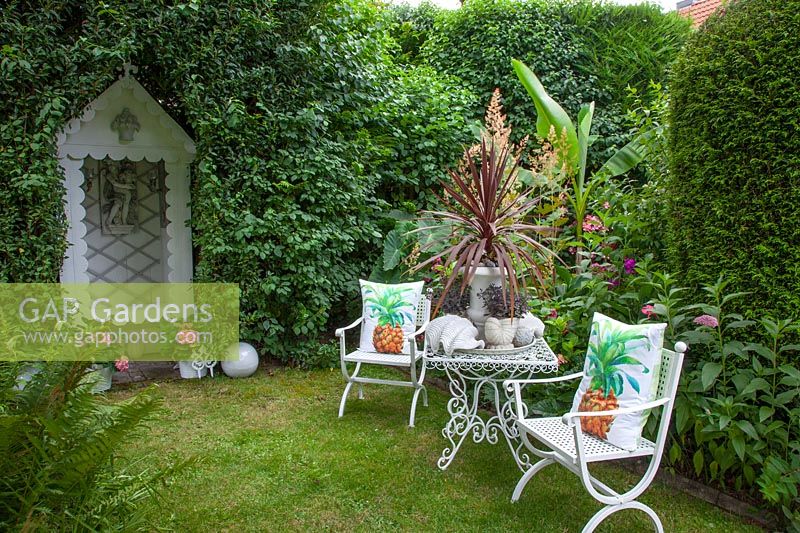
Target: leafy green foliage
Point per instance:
(735, 156)
(583, 51)
(58, 442)
(737, 414)
(303, 125)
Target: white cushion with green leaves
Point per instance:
(621, 370)
(389, 312)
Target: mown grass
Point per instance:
(274, 456)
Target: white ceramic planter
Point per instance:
(484, 276)
(187, 371)
(103, 382)
(500, 333)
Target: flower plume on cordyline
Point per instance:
(486, 219)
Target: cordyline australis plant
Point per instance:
(486, 216)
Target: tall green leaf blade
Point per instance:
(548, 112)
(625, 159)
(584, 139)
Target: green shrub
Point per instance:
(735, 156)
(419, 131)
(582, 51)
(411, 27)
(303, 129)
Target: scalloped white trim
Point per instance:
(178, 266)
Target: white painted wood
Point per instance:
(159, 138)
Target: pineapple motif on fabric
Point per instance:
(388, 313)
(388, 306)
(621, 370)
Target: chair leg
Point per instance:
(360, 391)
(424, 396)
(608, 510)
(347, 387)
(414, 405)
(527, 477)
(344, 398)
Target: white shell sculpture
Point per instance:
(500, 333)
(523, 336)
(452, 333)
(531, 322)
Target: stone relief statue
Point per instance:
(118, 186)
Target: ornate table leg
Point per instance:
(463, 417)
(508, 419)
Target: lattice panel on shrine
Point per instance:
(125, 220)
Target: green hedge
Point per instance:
(735, 155)
(302, 126)
(581, 51)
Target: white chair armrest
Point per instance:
(422, 329)
(340, 331)
(521, 382)
(516, 385)
(567, 418)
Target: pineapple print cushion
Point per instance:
(389, 316)
(621, 370)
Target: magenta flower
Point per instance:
(707, 320)
(630, 265)
(121, 365)
(614, 283)
(648, 310)
(553, 314)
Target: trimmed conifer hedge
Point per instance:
(734, 190)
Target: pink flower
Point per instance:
(121, 365)
(648, 310)
(707, 320)
(593, 224)
(606, 205)
(630, 265)
(553, 314)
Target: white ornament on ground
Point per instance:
(245, 366)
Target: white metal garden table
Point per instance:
(477, 369)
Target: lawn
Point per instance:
(275, 456)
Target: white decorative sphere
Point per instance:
(245, 366)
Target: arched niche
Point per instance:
(126, 164)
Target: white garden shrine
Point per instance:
(126, 175)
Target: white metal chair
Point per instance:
(571, 448)
(405, 360)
